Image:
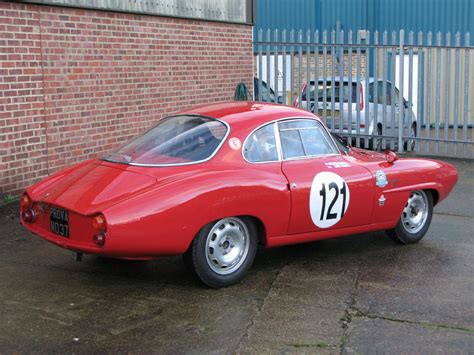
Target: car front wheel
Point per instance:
(223, 251)
(415, 219)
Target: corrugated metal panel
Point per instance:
(348, 14)
(238, 11)
(381, 15)
(424, 15)
(288, 14)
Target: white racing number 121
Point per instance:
(328, 199)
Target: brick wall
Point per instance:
(75, 83)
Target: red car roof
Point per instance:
(256, 113)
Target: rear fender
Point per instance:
(165, 220)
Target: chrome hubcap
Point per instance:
(227, 245)
(415, 212)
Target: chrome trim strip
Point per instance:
(278, 141)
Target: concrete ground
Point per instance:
(360, 294)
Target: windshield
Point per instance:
(174, 140)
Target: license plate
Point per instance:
(59, 221)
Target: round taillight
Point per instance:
(25, 201)
(28, 216)
(99, 223)
(99, 239)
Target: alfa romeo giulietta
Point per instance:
(214, 182)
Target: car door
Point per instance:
(327, 190)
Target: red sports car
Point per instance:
(215, 181)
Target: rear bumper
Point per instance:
(63, 242)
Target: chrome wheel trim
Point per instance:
(415, 213)
(227, 245)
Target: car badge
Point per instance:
(381, 200)
(380, 178)
(235, 143)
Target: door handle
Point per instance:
(293, 186)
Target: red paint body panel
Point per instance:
(156, 211)
(360, 182)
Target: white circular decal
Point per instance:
(235, 143)
(328, 199)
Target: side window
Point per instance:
(304, 138)
(260, 146)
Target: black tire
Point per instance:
(405, 232)
(213, 272)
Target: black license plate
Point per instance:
(59, 221)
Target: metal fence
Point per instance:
(396, 91)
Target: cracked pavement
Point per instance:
(358, 294)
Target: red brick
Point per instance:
(94, 79)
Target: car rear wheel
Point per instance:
(223, 251)
(415, 219)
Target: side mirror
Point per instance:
(390, 156)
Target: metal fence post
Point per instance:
(275, 64)
(260, 68)
(268, 55)
(401, 99)
(300, 64)
(308, 71)
(444, 86)
(456, 90)
(367, 93)
(447, 89)
(358, 106)
(325, 53)
(376, 89)
(466, 95)
(292, 66)
(428, 93)
(437, 90)
(284, 96)
(349, 118)
(411, 131)
(316, 72)
(420, 92)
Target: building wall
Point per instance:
(76, 83)
(373, 15)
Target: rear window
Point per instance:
(174, 140)
(340, 94)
